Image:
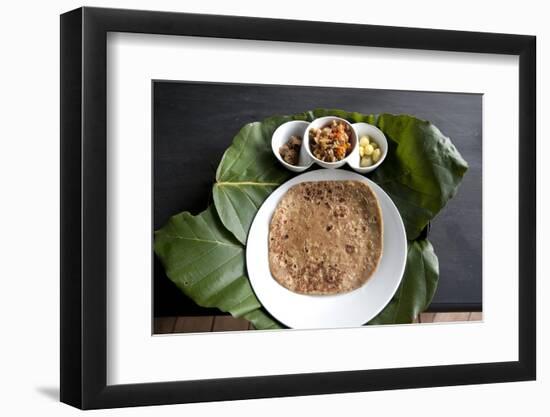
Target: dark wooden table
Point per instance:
(203, 324)
(195, 122)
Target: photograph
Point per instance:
(304, 207)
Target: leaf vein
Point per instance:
(202, 240)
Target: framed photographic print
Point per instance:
(258, 208)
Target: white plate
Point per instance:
(324, 311)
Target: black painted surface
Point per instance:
(195, 122)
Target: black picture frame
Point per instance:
(84, 223)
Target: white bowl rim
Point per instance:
(317, 160)
(382, 157)
(295, 168)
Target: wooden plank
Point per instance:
(163, 325)
(193, 324)
(228, 323)
(196, 324)
(450, 317)
(427, 317)
(476, 316)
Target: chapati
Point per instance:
(325, 237)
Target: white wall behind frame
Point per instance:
(30, 131)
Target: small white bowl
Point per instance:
(319, 124)
(364, 129)
(282, 135)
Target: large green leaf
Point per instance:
(422, 170)
(207, 263)
(417, 287)
(247, 174)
